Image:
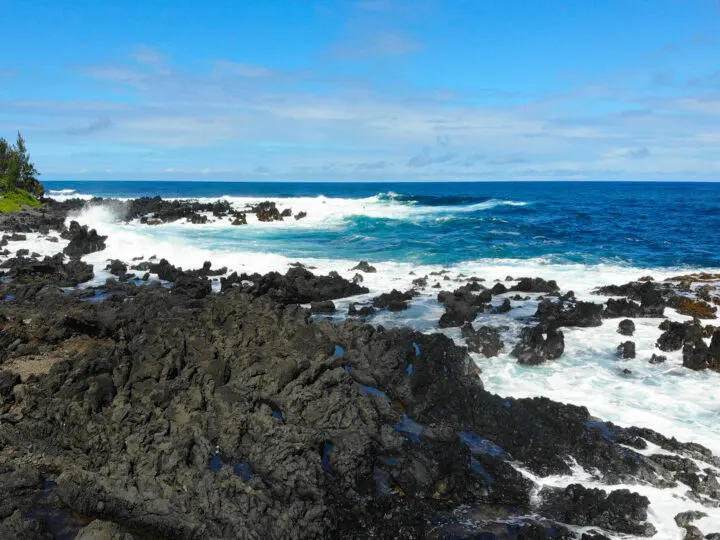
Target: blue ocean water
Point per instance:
(636, 224)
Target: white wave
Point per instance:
(664, 503)
(62, 195)
(332, 211)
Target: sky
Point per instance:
(364, 90)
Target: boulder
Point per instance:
(559, 313)
(325, 306)
(82, 240)
(394, 300)
(536, 346)
(626, 350)
(626, 327)
(620, 511)
(677, 334)
(364, 266)
(485, 340)
(462, 305)
(355, 310)
(536, 285)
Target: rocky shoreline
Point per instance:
(154, 407)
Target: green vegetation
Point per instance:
(16, 169)
(19, 185)
(15, 199)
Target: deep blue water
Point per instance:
(638, 224)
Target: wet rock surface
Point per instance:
(82, 240)
(553, 313)
(394, 300)
(626, 327)
(620, 510)
(364, 266)
(485, 340)
(463, 304)
(536, 345)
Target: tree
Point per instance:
(16, 169)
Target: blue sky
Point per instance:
(364, 89)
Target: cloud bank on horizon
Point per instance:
(365, 89)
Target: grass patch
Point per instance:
(15, 199)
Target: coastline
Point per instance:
(124, 319)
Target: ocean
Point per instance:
(583, 235)
(646, 225)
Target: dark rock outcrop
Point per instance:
(677, 334)
(536, 285)
(697, 355)
(657, 359)
(463, 305)
(558, 313)
(626, 327)
(620, 510)
(485, 340)
(51, 270)
(394, 300)
(117, 268)
(266, 211)
(364, 266)
(297, 286)
(355, 310)
(324, 306)
(651, 301)
(536, 346)
(82, 240)
(626, 350)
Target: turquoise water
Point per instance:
(636, 224)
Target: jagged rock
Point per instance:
(505, 307)
(621, 308)
(498, 288)
(621, 510)
(677, 334)
(364, 311)
(164, 270)
(82, 240)
(651, 301)
(658, 359)
(300, 215)
(50, 270)
(557, 314)
(364, 266)
(420, 282)
(155, 210)
(394, 300)
(535, 285)
(117, 268)
(684, 519)
(297, 286)
(239, 219)
(536, 346)
(266, 211)
(462, 305)
(485, 340)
